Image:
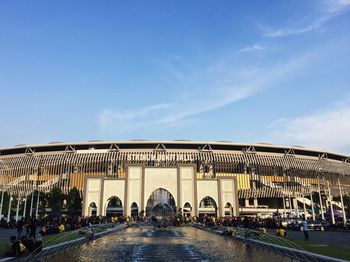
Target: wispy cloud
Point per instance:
(326, 129)
(332, 9)
(252, 48)
(120, 122)
(202, 89)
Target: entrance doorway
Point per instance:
(160, 200)
(114, 207)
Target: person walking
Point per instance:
(305, 229)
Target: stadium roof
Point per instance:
(174, 144)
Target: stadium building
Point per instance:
(191, 178)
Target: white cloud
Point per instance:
(337, 5)
(119, 122)
(332, 9)
(327, 129)
(203, 89)
(252, 48)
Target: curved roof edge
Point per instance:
(182, 144)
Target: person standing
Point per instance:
(19, 228)
(305, 229)
(32, 233)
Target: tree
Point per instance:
(5, 203)
(73, 204)
(55, 199)
(42, 202)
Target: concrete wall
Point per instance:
(228, 194)
(207, 188)
(92, 194)
(134, 185)
(112, 188)
(160, 178)
(187, 188)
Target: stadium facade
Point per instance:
(195, 178)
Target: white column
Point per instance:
(25, 207)
(2, 202)
(330, 201)
(295, 204)
(327, 203)
(342, 203)
(284, 206)
(284, 191)
(290, 204)
(17, 209)
(321, 204)
(246, 202)
(9, 211)
(312, 206)
(37, 205)
(31, 205)
(255, 202)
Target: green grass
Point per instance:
(323, 249)
(318, 248)
(3, 248)
(60, 237)
(52, 239)
(66, 236)
(314, 247)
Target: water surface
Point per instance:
(177, 244)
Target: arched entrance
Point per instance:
(114, 207)
(228, 209)
(92, 209)
(160, 196)
(207, 206)
(134, 209)
(187, 209)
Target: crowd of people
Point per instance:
(28, 238)
(245, 222)
(30, 230)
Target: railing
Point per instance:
(70, 239)
(266, 241)
(277, 244)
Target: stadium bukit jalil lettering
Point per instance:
(159, 157)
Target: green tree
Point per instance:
(55, 199)
(5, 203)
(73, 204)
(43, 202)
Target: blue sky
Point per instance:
(245, 71)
